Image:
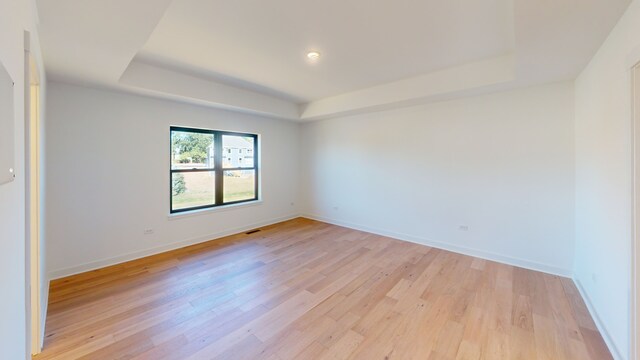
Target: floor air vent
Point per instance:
(252, 231)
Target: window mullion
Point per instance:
(219, 183)
(255, 166)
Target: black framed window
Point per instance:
(212, 168)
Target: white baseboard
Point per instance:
(505, 259)
(57, 274)
(400, 236)
(615, 352)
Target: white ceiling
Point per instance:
(250, 55)
(94, 41)
(363, 42)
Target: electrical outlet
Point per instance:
(336, 208)
(463, 227)
(148, 231)
(594, 277)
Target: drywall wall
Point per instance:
(108, 176)
(490, 176)
(16, 16)
(603, 180)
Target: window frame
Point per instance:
(217, 169)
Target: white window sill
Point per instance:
(207, 211)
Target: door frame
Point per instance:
(634, 348)
(32, 105)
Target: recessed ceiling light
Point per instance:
(313, 55)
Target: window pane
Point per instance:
(239, 185)
(192, 189)
(237, 151)
(191, 150)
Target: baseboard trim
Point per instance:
(615, 352)
(57, 274)
(400, 236)
(531, 265)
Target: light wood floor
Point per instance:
(308, 290)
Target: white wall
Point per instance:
(16, 16)
(501, 164)
(108, 176)
(603, 180)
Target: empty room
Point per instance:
(296, 179)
